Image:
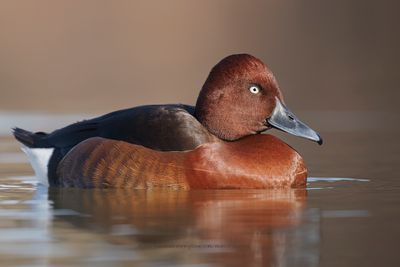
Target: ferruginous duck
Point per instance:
(239, 98)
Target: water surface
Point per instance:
(347, 216)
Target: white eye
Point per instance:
(254, 89)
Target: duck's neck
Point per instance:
(220, 119)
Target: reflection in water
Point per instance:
(335, 179)
(224, 227)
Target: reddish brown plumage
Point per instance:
(227, 108)
(261, 161)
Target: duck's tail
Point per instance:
(37, 150)
(30, 139)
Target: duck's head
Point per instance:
(241, 97)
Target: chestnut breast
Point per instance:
(260, 161)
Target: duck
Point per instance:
(239, 98)
(253, 162)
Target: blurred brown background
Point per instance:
(96, 56)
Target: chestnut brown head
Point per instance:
(241, 97)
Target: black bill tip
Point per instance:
(320, 141)
(283, 119)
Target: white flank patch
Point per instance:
(39, 158)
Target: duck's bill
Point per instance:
(283, 119)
